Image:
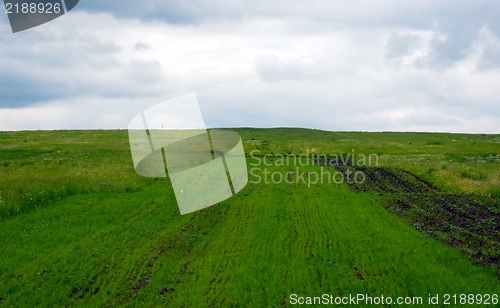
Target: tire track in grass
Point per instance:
(321, 235)
(175, 253)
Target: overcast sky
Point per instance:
(333, 65)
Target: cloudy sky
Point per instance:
(334, 65)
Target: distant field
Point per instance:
(466, 163)
(80, 228)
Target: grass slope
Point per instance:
(102, 236)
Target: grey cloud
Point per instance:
(456, 29)
(55, 51)
(41, 68)
(175, 12)
(490, 59)
(141, 46)
(417, 14)
(325, 14)
(400, 45)
(144, 72)
(457, 39)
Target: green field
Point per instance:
(79, 227)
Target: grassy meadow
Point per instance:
(80, 228)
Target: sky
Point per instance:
(352, 65)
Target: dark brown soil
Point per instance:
(74, 292)
(165, 290)
(141, 283)
(469, 223)
(358, 274)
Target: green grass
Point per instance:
(101, 235)
(40, 168)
